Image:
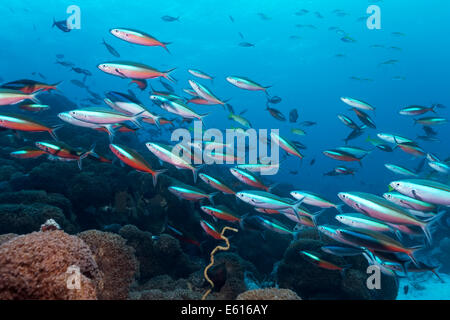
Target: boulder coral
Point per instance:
(234, 269)
(37, 266)
(115, 260)
(268, 294)
(158, 255)
(26, 218)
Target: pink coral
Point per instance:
(34, 266)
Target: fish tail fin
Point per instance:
(202, 116)
(54, 22)
(110, 130)
(316, 215)
(33, 97)
(165, 44)
(53, 131)
(55, 86)
(432, 108)
(360, 163)
(135, 119)
(241, 220)
(410, 254)
(155, 175)
(195, 171)
(211, 196)
(80, 164)
(269, 189)
(90, 151)
(426, 226)
(157, 121)
(339, 208)
(415, 121)
(296, 207)
(84, 155)
(437, 274)
(167, 75)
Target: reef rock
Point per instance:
(159, 255)
(268, 294)
(312, 282)
(115, 260)
(41, 265)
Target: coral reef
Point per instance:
(6, 237)
(312, 282)
(235, 269)
(164, 287)
(115, 260)
(268, 294)
(26, 218)
(158, 255)
(35, 266)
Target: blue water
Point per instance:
(304, 72)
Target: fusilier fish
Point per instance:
(135, 160)
(164, 153)
(360, 221)
(247, 84)
(286, 145)
(376, 241)
(18, 122)
(133, 70)
(426, 190)
(190, 193)
(248, 178)
(27, 153)
(221, 212)
(200, 74)
(408, 202)
(324, 264)
(382, 209)
(313, 199)
(205, 93)
(64, 151)
(431, 121)
(400, 170)
(138, 37)
(216, 183)
(102, 116)
(9, 96)
(210, 230)
(393, 138)
(415, 110)
(359, 104)
(266, 200)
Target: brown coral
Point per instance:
(6, 237)
(268, 294)
(34, 266)
(116, 261)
